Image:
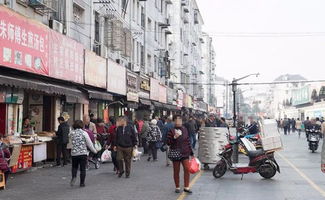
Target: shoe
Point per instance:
(72, 182)
(155, 160)
(82, 185)
(127, 176)
(149, 158)
(177, 190)
(188, 191)
(120, 174)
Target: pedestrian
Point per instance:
(27, 127)
(153, 137)
(211, 121)
(62, 141)
(180, 145)
(125, 141)
(289, 125)
(111, 143)
(167, 127)
(139, 124)
(285, 125)
(101, 131)
(298, 126)
(80, 142)
(143, 135)
(293, 125)
(307, 123)
(4, 158)
(191, 128)
(89, 125)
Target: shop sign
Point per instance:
(25, 159)
(24, 43)
(189, 101)
(132, 87)
(95, 70)
(185, 100)
(170, 96)
(301, 96)
(116, 79)
(144, 85)
(131, 96)
(67, 58)
(154, 89)
(180, 97)
(162, 94)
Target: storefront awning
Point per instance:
(171, 107)
(100, 95)
(132, 105)
(157, 104)
(23, 83)
(145, 102)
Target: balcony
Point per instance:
(44, 6)
(165, 24)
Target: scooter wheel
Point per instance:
(97, 165)
(267, 170)
(220, 169)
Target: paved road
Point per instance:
(289, 185)
(153, 181)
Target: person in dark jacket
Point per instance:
(111, 143)
(4, 158)
(125, 141)
(62, 141)
(167, 128)
(179, 141)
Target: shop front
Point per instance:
(145, 105)
(132, 94)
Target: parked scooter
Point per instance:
(313, 139)
(260, 161)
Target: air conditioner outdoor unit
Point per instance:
(57, 26)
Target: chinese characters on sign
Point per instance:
(144, 85)
(66, 58)
(132, 87)
(23, 43)
(116, 79)
(154, 89)
(95, 70)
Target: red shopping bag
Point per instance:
(195, 165)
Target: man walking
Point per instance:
(62, 141)
(125, 142)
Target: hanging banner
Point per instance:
(116, 79)
(66, 58)
(95, 70)
(154, 89)
(23, 43)
(144, 87)
(132, 87)
(162, 93)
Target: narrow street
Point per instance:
(153, 180)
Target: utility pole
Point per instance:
(234, 85)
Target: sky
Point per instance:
(272, 37)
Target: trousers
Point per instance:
(79, 161)
(124, 156)
(177, 166)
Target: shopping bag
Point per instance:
(98, 146)
(106, 156)
(195, 165)
(135, 152)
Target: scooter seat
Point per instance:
(256, 153)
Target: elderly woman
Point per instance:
(153, 137)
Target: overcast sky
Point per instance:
(300, 48)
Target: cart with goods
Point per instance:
(212, 140)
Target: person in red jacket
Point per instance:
(179, 141)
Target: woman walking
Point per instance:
(180, 151)
(80, 141)
(153, 137)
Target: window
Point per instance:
(156, 64)
(97, 34)
(322, 92)
(78, 14)
(134, 13)
(149, 61)
(142, 55)
(143, 18)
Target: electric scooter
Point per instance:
(313, 139)
(260, 161)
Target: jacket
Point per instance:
(91, 126)
(167, 127)
(125, 137)
(80, 142)
(63, 133)
(182, 143)
(145, 129)
(154, 134)
(4, 155)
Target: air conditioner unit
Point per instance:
(56, 25)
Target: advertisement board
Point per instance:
(144, 87)
(154, 89)
(132, 87)
(95, 70)
(116, 79)
(23, 43)
(162, 93)
(66, 59)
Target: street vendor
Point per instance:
(4, 158)
(27, 127)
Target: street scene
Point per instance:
(162, 99)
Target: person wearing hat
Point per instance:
(153, 137)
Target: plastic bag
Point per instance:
(135, 152)
(98, 146)
(195, 165)
(106, 156)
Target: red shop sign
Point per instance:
(23, 43)
(67, 58)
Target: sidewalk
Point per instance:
(149, 180)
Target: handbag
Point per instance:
(106, 156)
(98, 146)
(159, 144)
(174, 155)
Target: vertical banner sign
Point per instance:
(154, 89)
(23, 43)
(116, 80)
(66, 58)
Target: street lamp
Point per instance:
(234, 85)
